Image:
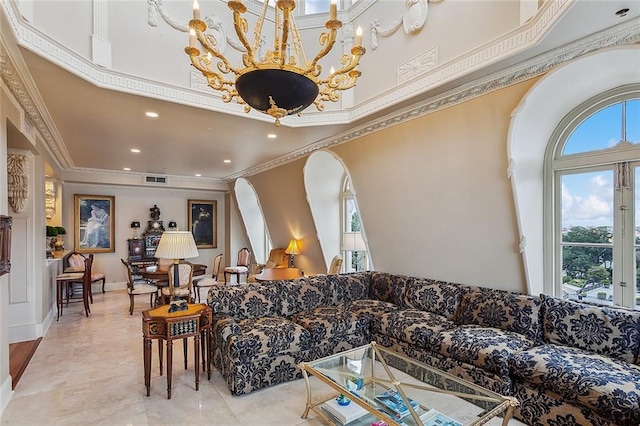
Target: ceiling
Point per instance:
(99, 127)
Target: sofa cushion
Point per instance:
(605, 385)
(267, 336)
(330, 323)
(485, 347)
(245, 301)
(413, 326)
(434, 296)
(505, 310)
(304, 294)
(388, 287)
(370, 308)
(350, 287)
(604, 330)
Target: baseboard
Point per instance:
(115, 286)
(5, 393)
(22, 333)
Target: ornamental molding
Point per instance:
(18, 181)
(623, 34)
(412, 19)
(16, 77)
(418, 65)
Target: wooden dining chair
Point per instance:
(204, 281)
(242, 265)
(69, 283)
(136, 286)
(75, 263)
(185, 275)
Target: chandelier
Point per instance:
(283, 81)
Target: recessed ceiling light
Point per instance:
(622, 12)
(272, 136)
(198, 175)
(227, 161)
(127, 169)
(151, 114)
(136, 150)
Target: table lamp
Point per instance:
(292, 249)
(176, 245)
(135, 225)
(353, 241)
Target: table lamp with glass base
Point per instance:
(176, 245)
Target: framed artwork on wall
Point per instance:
(94, 223)
(202, 216)
(5, 244)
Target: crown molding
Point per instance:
(624, 34)
(505, 46)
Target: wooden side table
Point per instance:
(159, 324)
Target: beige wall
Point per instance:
(433, 195)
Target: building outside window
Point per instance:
(354, 249)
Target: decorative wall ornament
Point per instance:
(18, 181)
(49, 199)
(412, 19)
(523, 244)
(511, 168)
(418, 65)
(216, 28)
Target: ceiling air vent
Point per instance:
(155, 180)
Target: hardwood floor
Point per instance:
(19, 356)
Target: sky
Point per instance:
(587, 198)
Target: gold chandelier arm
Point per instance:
(257, 32)
(241, 27)
(326, 40)
(286, 6)
(214, 80)
(349, 62)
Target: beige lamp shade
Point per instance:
(293, 248)
(176, 245)
(353, 241)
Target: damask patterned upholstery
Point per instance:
(567, 363)
(413, 326)
(388, 287)
(607, 331)
(439, 297)
(603, 384)
(486, 347)
(507, 311)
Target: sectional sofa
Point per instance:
(567, 363)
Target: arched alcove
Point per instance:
(253, 219)
(531, 128)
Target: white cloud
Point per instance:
(589, 203)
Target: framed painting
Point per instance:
(5, 244)
(94, 223)
(202, 216)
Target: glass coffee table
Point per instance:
(376, 385)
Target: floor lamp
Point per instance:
(353, 242)
(176, 245)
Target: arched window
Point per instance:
(334, 210)
(253, 219)
(593, 173)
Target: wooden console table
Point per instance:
(193, 322)
(275, 274)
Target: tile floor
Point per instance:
(90, 371)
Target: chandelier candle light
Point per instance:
(283, 82)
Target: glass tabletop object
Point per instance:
(376, 384)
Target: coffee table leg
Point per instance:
(306, 382)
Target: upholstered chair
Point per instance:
(242, 265)
(205, 281)
(185, 275)
(277, 259)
